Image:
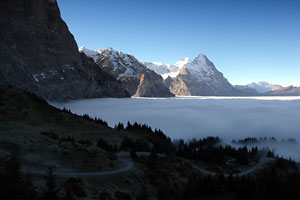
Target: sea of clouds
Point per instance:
(198, 117)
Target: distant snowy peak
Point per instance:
(182, 62)
(164, 69)
(199, 66)
(263, 86)
(110, 52)
(90, 53)
(158, 67)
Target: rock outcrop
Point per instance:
(168, 81)
(135, 77)
(39, 54)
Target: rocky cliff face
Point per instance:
(102, 83)
(151, 85)
(135, 77)
(39, 54)
(168, 81)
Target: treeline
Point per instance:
(255, 141)
(281, 181)
(87, 117)
(137, 127)
(96, 120)
(210, 151)
(100, 142)
(160, 142)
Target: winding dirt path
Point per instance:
(125, 158)
(252, 169)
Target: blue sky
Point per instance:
(248, 40)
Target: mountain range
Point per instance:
(134, 76)
(198, 77)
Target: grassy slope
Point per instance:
(33, 113)
(24, 117)
(27, 113)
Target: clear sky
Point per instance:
(248, 40)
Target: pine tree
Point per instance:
(51, 193)
(14, 185)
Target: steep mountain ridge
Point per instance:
(135, 77)
(39, 54)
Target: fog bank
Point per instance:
(197, 117)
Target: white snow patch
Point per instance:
(127, 72)
(35, 77)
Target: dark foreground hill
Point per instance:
(36, 136)
(27, 121)
(41, 136)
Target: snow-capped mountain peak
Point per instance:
(201, 56)
(182, 62)
(263, 86)
(90, 53)
(117, 63)
(109, 49)
(200, 65)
